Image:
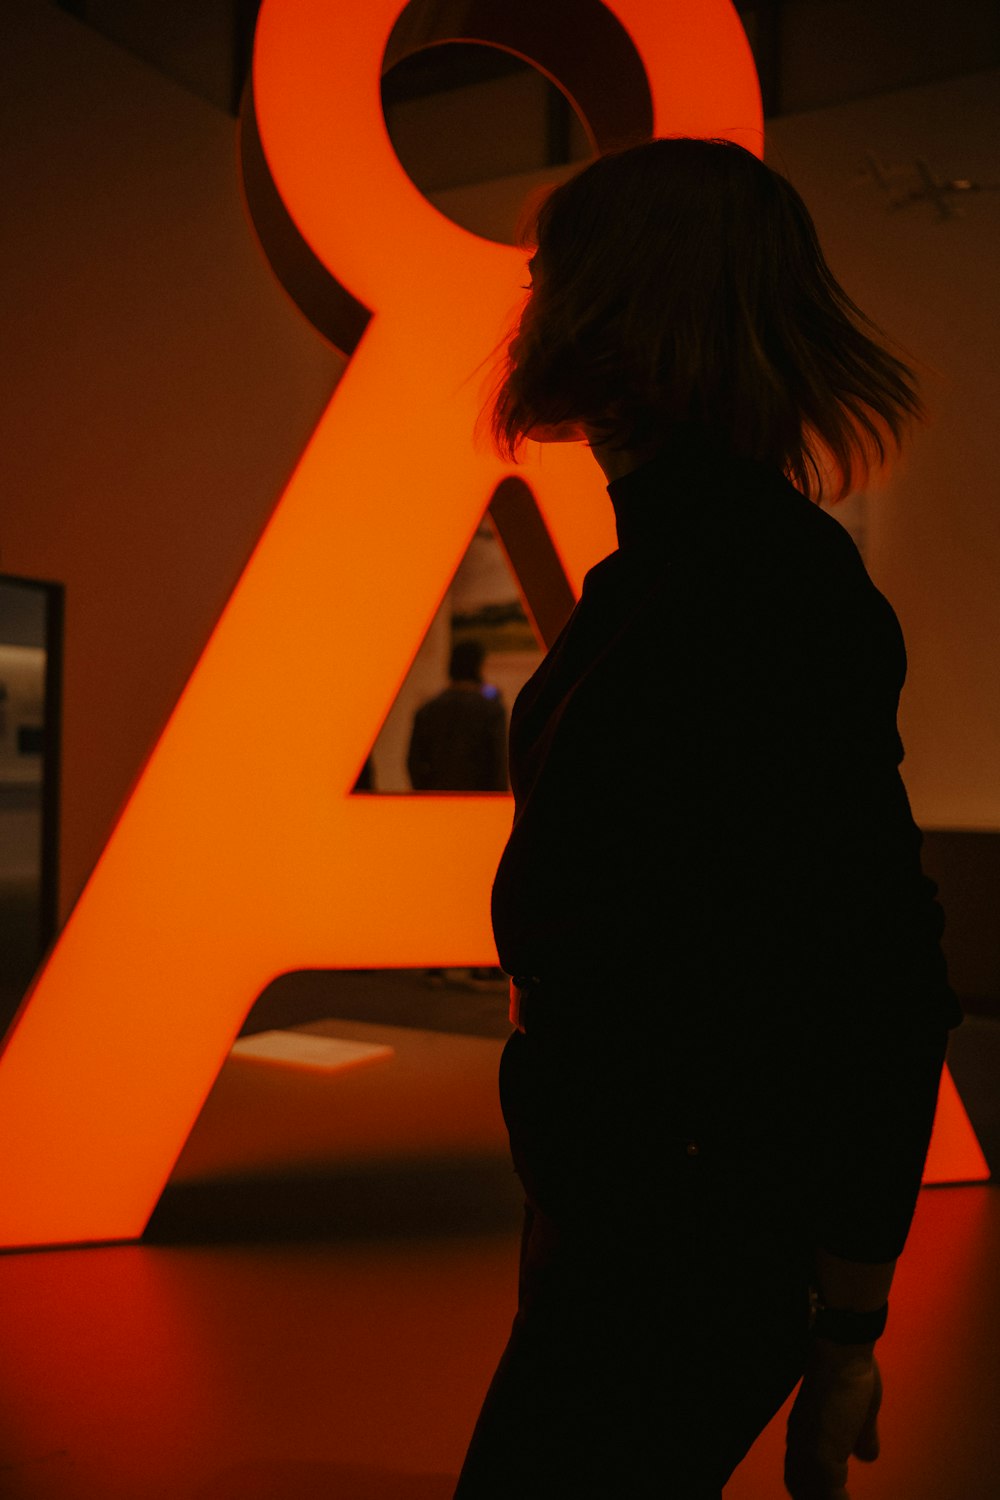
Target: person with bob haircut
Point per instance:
(729, 1000)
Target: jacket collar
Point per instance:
(688, 489)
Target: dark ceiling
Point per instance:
(809, 53)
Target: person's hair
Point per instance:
(466, 662)
(682, 281)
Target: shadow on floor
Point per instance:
(388, 997)
(384, 1200)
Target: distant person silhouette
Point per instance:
(459, 737)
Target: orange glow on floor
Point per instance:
(355, 1369)
(241, 854)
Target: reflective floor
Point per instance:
(332, 1279)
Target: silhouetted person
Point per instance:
(729, 998)
(459, 738)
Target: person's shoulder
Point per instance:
(432, 707)
(817, 578)
(791, 522)
(801, 550)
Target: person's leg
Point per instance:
(757, 1367)
(632, 1373)
(652, 1344)
(593, 1395)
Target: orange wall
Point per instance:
(161, 388)
(934, 534)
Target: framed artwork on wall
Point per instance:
(31, 636)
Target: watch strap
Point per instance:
(845, 1325)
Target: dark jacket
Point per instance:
(713, 849)
(458, 742)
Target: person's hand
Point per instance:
(834, 1418)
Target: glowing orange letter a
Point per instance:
(237, 859)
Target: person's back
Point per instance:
(458, 743)
(729, 1002)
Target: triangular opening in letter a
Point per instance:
(506, 603)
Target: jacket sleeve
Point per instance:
(881, 1030)
(815, 824)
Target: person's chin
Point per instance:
(557, 432)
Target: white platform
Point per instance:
(301, 1049)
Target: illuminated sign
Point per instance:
(234, 860)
